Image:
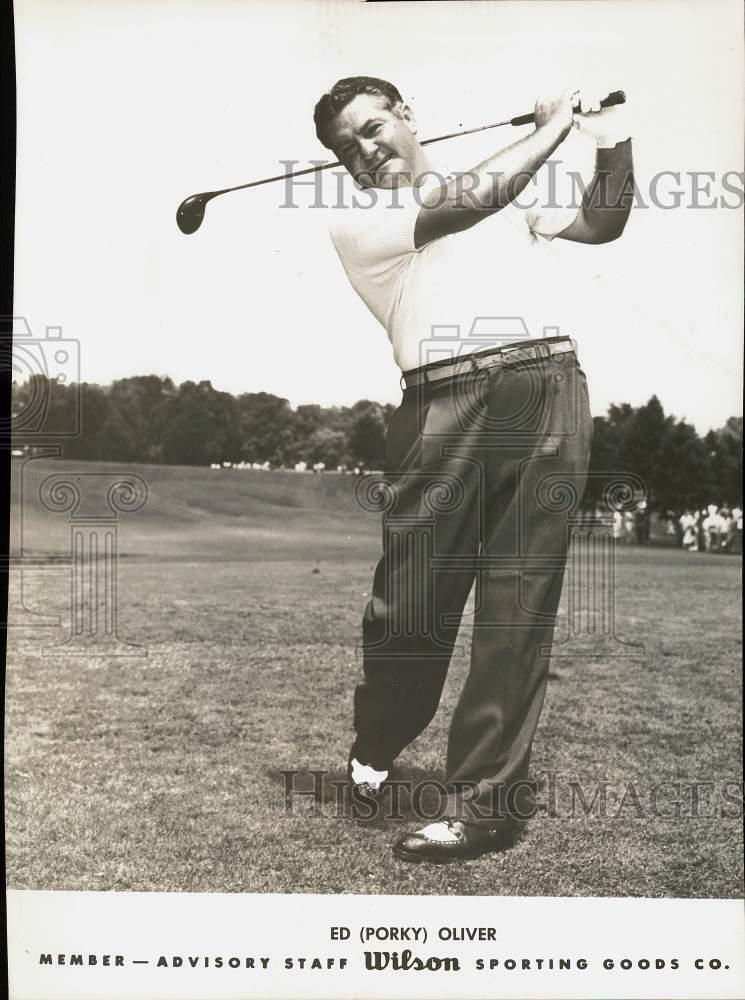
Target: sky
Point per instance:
(125, 108)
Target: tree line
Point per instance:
(149, 419)
(681, 470)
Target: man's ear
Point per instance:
(405, 112)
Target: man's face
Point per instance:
(376, 144)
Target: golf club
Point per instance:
(190, 213)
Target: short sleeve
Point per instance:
(376, 229)
(557, 187)
(555, 202)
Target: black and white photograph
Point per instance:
(374, 569)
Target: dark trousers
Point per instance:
(483, 473)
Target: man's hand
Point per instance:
(556, 113)
(605, 126)
(497, 181)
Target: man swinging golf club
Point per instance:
(478, 442)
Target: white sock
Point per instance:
(363, 773)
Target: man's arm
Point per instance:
(462, 202)
(607, 202)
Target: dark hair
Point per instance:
(345, 91)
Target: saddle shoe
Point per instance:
(447, 840)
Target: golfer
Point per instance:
(488, 438)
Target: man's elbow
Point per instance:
(612, 234)
(609, 230)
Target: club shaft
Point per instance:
(277, 177)
(467, 131)
(617, 97)
(337, 163)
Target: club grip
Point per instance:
(617, 97)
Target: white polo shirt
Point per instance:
(491, 284)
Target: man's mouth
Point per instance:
(375, 174)
(382, 163)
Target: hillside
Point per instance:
(195, 513)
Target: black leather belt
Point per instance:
(528, 350)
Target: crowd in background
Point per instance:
(632, 526)
(716, 529)
(713, 529)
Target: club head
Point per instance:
(191, 212)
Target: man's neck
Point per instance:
(424, 166)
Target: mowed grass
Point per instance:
(246, 589)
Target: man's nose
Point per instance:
(368, 150)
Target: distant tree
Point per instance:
(724, 458)
(90, 442)
(132, 429)
(367, 435)
(142, 403)
(118, 438)
(265, 424)
(607, 456)
(604, 459)
(28, 405)
(642, 448)
(681, 476)
(328, 446)
(338, 418)
(201, 426)
(225, 417)
(307, 420)
(621, 417)
(667, 454)
(43, 407)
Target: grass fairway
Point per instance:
(164, 772)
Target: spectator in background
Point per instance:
(710, 526)
(641, 523)
(672, 526)
(700, 533)
(737, 530)
(725, 529)
(617, 525)
(689, 532)
(628, 527)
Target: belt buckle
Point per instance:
(481, 364)
(507, 351)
